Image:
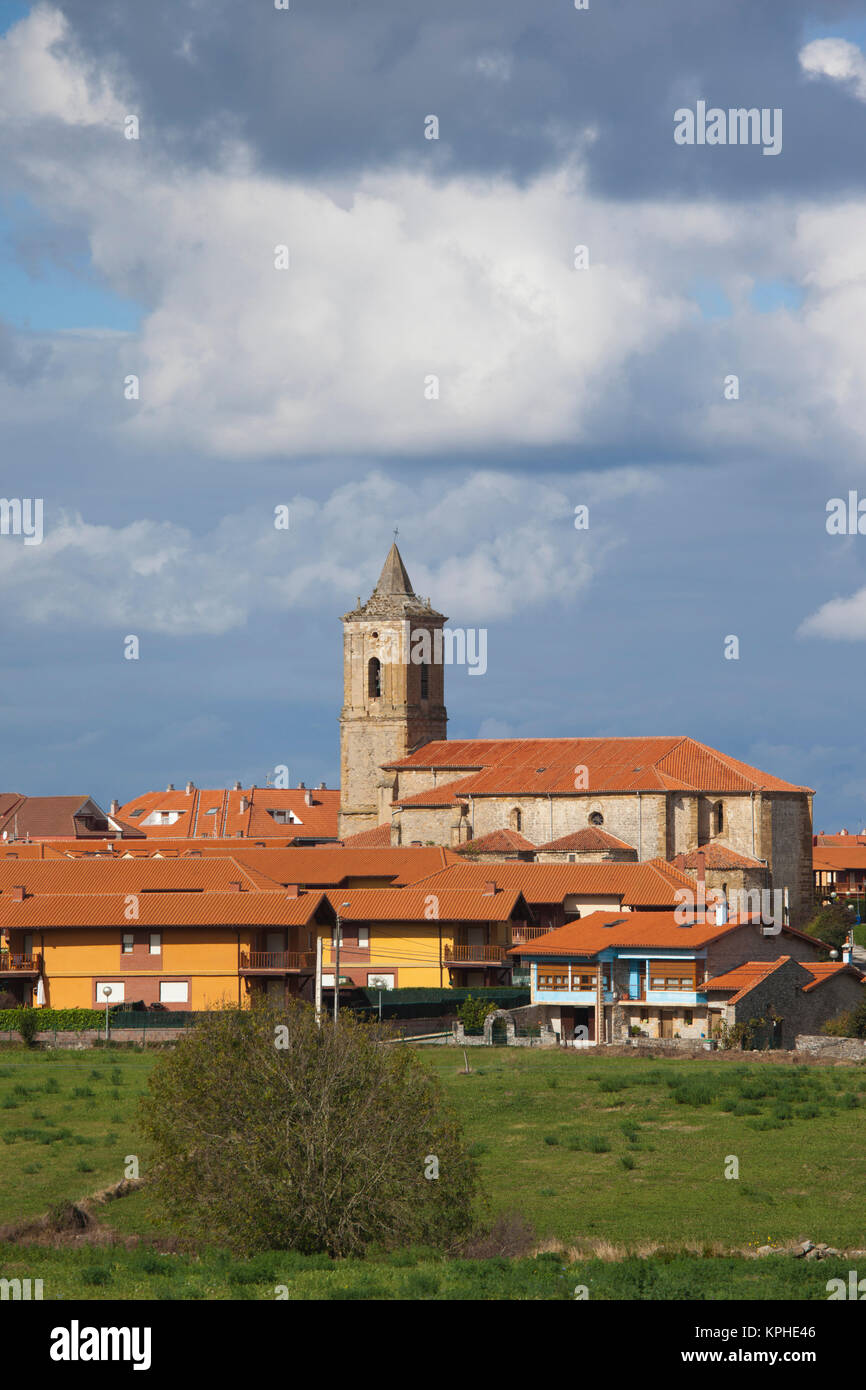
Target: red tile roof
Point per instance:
(745, 977)
(217, 814)
(534, 766)
(377, 838)
(586, 936)
(129, 875)
(428, 905)
(839, 859)
(212, 909)
(719, 856)
(54, 817)
(589, 840)
(498, 842)
(653, 883)
(826, 969)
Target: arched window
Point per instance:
(596, 818)
(374, 678)
(516, 819)
(425, 680)
(720, 818)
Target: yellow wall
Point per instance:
(73, 957)
(409, 948)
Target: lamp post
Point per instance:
(106, 990)
(337, 964)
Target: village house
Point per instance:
(615, 975)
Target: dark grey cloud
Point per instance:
(334, 85)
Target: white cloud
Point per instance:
(841, 619)
(395, 277)
(837, 59)
(496, 553)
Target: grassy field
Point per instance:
(596, 1152)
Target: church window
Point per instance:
(596, 818)
(374, 678)
(425, 681)
(516, 819)
(720, 818)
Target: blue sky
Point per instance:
(155, 259)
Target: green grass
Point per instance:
(623, 1150)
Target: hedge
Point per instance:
(65, 1020)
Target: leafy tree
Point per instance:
(831, 924)
(472, 1013)
(272, 1132)
(28, 1025)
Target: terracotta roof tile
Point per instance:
(653, 883)
(590, 839)
(427, 905)
(498, 842)
(533, 766)
(719, 856)
(213, 909)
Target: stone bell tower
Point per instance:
(393, 689)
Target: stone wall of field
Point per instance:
(832, 1049)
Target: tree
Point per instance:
(831, 924)
(272, 1132)
(472, 1013)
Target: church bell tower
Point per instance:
(393, 689)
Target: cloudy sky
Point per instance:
(307, 387)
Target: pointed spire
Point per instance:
(394, 580)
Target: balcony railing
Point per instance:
(520, 935)
(11, 961)
(476, 955)
(278, 960)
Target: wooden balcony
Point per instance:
(476, 955)
(12, 963)
(276, 962)
(521, 935)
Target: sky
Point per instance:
(236, 276)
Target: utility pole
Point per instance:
(318, 979)
(337, 965)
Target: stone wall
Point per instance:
(832, 1049)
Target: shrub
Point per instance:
(270, 1131)
(472, 1013)
(28, 1025)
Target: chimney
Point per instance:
(308, 798)
(489, 889)
(301, 786)
(322, 788)
(190, 787)
(293, 890)
(244, 803)
(236, 787)
(170, 787)
(18, 893)
(843, 832)
(233, 887)
(114, 807)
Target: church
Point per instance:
(403, 782)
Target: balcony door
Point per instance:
(275, 941)
(475, 936)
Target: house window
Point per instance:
(128, 941)
(677, 975)
(374, 678)
(155, 943)
(117, 994)
(364, 938)
(173, 992)
(596, 818)
(687, 1018)
(553, 977)
(425, 681)
(380, 981)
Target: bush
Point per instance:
(472, 1013)
(271, 1132)
(67, 1020)
(29, 1025)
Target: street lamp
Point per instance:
(337, 963)
(107, 991)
